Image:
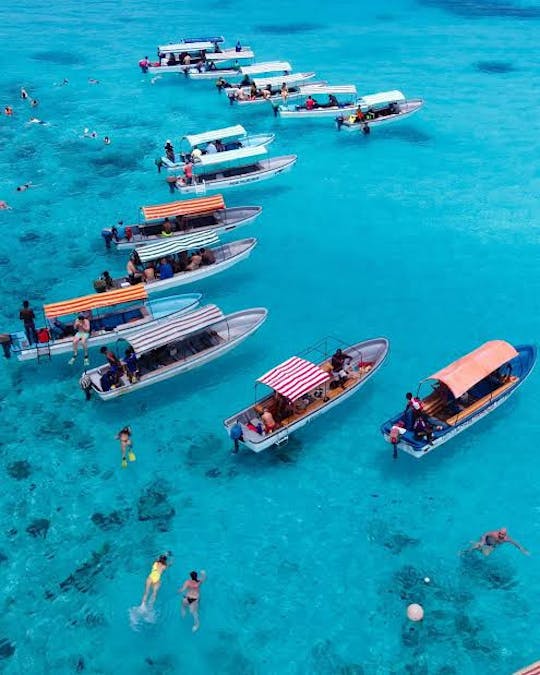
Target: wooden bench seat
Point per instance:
(481, 402)
(432, 404)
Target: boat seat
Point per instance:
(452, 421)
(433, 404)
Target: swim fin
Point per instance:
(124, 463)
(131, 456)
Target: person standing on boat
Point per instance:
(27, 316)
(238, 47)
(284, 91)
(81, 326)
(338, 365)
(191, 588)
(490, 540)
(188, 173)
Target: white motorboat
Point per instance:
(378, 109)
(175, 219)
(223, 170)
(181, 57)
(340, 100)
(176, 346)
(117, 313)
(303, 390)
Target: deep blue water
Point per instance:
(425, 232)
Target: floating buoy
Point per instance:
(427, 580)
(415, 612)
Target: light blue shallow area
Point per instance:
(425, 232)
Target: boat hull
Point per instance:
(269, 168)
(407, 109)
(376, 348)
(526, 359)
(252, 320)
(226, 220)
(160, 309)
(316, 113)
(274, 99)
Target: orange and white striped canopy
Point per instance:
(187, 207)
(95, 301)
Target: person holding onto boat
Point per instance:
(126, 445)
(191, 588)
(144, 64)
(490, 540)
(169, 150)
(27, 316)
(236, 435)
(153, 580)
(81, 326)
(188, 173)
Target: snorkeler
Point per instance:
(490, 540)
(24, 94)
(126, 445)
(25, 186)
(192, 595)
(153, 580)
(107, 140)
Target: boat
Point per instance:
(190, 216)
(462, 394)
(267, 88)
(303, 390)
(341, 99)
(150, 255)
(172, 57)
(118, 313)
(178, 345)
(378, 109)
(228, 138)
(232, 168)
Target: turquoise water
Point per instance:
(425, 232)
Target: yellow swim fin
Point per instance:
(124, 462)
(131, 456)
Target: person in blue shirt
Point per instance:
(165, 269)
(236, 435)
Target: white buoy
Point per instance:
(415, 612)
(427, 580)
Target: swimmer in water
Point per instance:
(107, 140)
(35, 120)
(91, 80)
(191, 588)
(24, 187)
(153, 580)
(34, 103)
(490, 540)
(24, 94)
(126, 445)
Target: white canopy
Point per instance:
(227, 132)
(314, 89)
(169, 246)
(173, 330)
(278, 80)
(230, 156)
(219, 38)
(185, 47)
(266, 67)
(382, 97)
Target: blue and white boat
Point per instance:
(117, 313)
(320, 101)
(379, 109)
(181, 57)
(462, 393)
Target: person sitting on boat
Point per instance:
(115, 365)
(423, 429)
(501, 375)
(186, 61)
(109, 281)
(338, 366)
(490, 540)
(394, 108)
(166, 229)
(253, 91)
(134, 269)
(131, 365)
(81, 327)
(267, 92)
(359, 117)
(238, 47)
(195, 262)
(332, 101)
(169, 150)
(268, 421)
(211, 148)
(149, 272)
(183, 261)
(219, 145)
(208, 256)
(212, 65)
(171, 61)
(165, 269)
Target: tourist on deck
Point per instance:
(131, 365)
(27, 316)
(238, 47)
(186, 61)
(332, 101)
(219, 145)
(208, 256)
(422, 428)
(126, 445)
(134, 269)
(268, 421)
(195, 262)
(339, 370)
(284, 91)
(211, 148)
(81, 326)
(188, 173)
(166, 229)
(165, 270)
(183, 260)
(413, 403)
(490, 540)
(149, 272)
(153, 581)
(191, 588)
(311, 103)
(253, 91)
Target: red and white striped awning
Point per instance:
(533, 669)
(294, 378)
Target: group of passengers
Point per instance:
(167, 266)
(312, 104)
(240, 93)
(359, 117)
(129, 366)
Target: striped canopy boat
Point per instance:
(176, 346)
(118, 312)
(303, 390)
(188, 216)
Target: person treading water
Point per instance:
(191, 588)
(490, 540)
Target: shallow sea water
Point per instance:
(425, 232)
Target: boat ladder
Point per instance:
(43, 350)
(283, 439)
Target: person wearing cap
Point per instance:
(490, 540)
(81, 326)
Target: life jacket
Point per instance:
(128, 233)
(43, 335)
